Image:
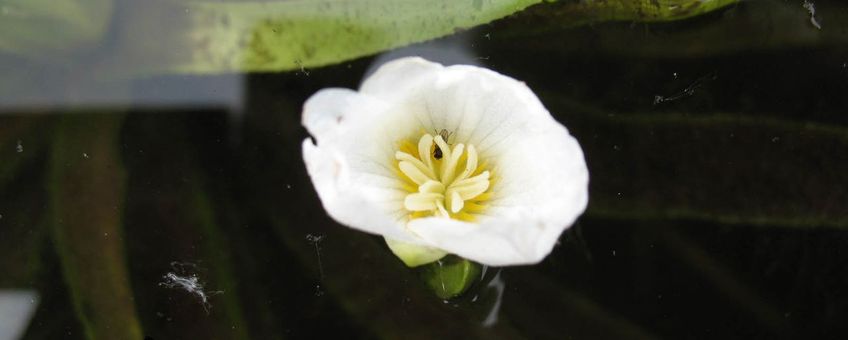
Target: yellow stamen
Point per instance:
(454, 186)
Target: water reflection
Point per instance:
(499, 286)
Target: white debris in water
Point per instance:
(20, 147)
(189, 282)
(688, 91)
(499, 286)
(17, 308)
(302, 69)
(85, 155)
(315, 239)
(811, 8)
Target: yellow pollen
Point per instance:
(454, 185)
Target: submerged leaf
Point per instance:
(86, 202)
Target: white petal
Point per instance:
(348, 202)
(351, 162)
(400, 77)
(497, 242)
(544, 175)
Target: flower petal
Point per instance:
(399, 77)
(499, 242)
(346, 202)
(543, 176)
(350, 163)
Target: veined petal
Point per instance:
(356, 182)
(400, 77)
(550, 183)
(346, 202)
(496, 242)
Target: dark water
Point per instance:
(719, 179)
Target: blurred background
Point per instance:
(152, 185)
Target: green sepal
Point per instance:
(451, 276)
(414, 255)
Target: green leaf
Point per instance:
(568, 14)
(46, 29)
(217, 37)
(451, 276)
(86, 202)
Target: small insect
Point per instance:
(437, 153)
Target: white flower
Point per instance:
(438, 160)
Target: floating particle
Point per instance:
(315, 239)
(811, 8)
(180, 278)
(302, 69)
(688, 91)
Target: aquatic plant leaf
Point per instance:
(786, 24)
(290, 35)
(578, 13)
(451, 276)
(43, 28)
(87, 200)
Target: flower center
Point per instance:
(442, 180)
